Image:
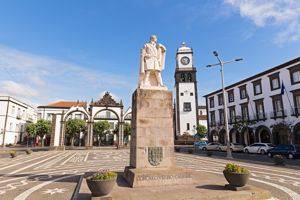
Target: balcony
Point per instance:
(221, 122)
(295, 111)
(19, 117)
(231, 120)
(212, 123)
(29, 120)
(261, 117)
(278, 114)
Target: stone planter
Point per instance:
(209, 153)
(190, 151)
(100, 187)
(13, 155)
(28, 151)
(177, 149)
(236, 179)
(278, 161)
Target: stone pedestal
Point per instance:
(152, 141)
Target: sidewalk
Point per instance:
(206, 186)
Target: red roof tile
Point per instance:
(67, 104)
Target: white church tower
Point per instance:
(186, 101)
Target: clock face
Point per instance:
(185, 60)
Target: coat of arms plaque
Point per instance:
(155, 155)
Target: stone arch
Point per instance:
(128, 112)
(248, 136)
(282, 136)
(214, 136)
(263, 134)
(76, 109)
(63, 119)
(106, 109)
(296, 134)
(222, 136)
(110, 137)
(235, 136)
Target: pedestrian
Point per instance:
(31, 143)
(34, 143)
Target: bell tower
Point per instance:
(186, 100)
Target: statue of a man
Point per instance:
(151, 63)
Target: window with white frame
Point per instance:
(187, 106)
(275, 83)
(78, 116)
(296, 77)
(13, 110)
(257, 89)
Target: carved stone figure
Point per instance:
(151, 63)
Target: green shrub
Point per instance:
(177, 149)
(190, 150)
(231, 167)
(279, 157)
(28, 151)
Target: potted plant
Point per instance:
(209, 153)
(102, 182)
(278, 159)
(13, 154)
(28, 151)
(177, 149)
(236, 175)
(190, 151)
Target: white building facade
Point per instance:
(186, 96)
(202, 117)
(106, 109)
(14, 116)
(267, 99)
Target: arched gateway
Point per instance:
(107, 103)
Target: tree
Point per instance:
(240, 124)
(101, 128)
(201, 131)
(43, 127)
(31, 129)
(127, 129)
(74, 127)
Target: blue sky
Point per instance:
(54, 50)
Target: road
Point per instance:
(54, 174)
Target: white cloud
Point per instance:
(54, 78)
(16, 89)
(283, 14)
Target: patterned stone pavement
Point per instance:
(55, 174)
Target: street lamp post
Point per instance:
(224, 99)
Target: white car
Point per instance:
(210, 146)
(261, 148)
(233, 147)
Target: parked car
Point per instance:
(210, 146)
(287, 150)
(261, 148)
(233, 147)
(201, 143)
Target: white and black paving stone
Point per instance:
(55, 174)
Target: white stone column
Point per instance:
(89, 138)
(121, 134)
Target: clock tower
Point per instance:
(186, 101)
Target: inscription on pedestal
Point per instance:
(155, 155)
(163, 177)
